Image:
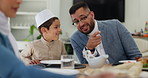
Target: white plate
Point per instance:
(62, 71)
(53, 62)
(127, 61)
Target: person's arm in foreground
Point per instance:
(11, 67)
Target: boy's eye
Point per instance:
(56, 27)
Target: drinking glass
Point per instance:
(67, 61)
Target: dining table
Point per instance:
(83, 69)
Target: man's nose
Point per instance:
(81, 23)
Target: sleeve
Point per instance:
(78, 52)
(128, 42)
(11, 67)
(85, 53)
(26, 54)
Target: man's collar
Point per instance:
(95, 29)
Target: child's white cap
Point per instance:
(43, 16)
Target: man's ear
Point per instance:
(92, 14)
(43, 30)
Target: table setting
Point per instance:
(125, 68)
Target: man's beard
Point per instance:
(91, 27)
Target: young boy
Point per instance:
(49, 47)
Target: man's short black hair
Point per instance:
(76, 6)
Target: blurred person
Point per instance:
(49, 47)
(5, 29)
(100, 37)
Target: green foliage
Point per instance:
(31, 33)
(61, 32)
(145, 65)
(38, 37)
(32, 29)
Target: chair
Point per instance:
(143, 46)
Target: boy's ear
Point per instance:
(43, 29)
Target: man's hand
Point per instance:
(94, 40)
(35, 61)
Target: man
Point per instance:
(100, 37)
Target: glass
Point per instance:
(67, 61)
(76, 22)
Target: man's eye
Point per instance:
(76, 21)
(83, 18)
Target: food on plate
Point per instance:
(124, 66)
(145, 65)
(126, 70)
(144, 60)
(135, 70)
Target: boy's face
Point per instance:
(9, 7)
(54, 31)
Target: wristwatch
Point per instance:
(92, 50)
